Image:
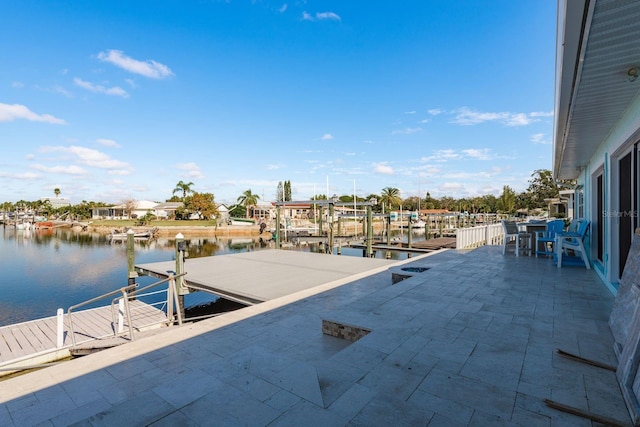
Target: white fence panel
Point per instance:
(474, 237)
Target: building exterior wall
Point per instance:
(605, 161)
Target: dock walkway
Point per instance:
(35, 341)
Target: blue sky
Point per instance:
(117, 100)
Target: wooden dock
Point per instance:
(430, 245)
(435, 244)
(35, 342)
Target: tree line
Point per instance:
(542, 187)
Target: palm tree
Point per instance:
(185, 187)
(56, 191)
(390, 197)
(247, 200)
(507, 200)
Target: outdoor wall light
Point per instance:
(633, 74)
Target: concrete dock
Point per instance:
(470, 341)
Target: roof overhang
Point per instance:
(596, 46)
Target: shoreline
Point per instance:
(191, 230)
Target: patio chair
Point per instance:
(547, 238)
(511, 233)
(572, 242)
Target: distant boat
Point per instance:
(44, 225)
(139, 235)
(242, 221)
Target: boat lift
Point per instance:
(332, 204)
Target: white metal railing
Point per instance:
(474, 237)
(126, 294)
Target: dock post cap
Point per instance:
(130, 231)
(179, 236)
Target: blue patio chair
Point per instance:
(568, 242)
(547, 238)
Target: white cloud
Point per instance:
(90, 157)
(283, 8)
(435, 111)
(148, 68)
(519, 119)
(11, 112)
(383, 169)
(538, 138)
(17, 85)
(191, 169)
(66, 170)
(119, 172)
(108, 142)
(467, 117)
(468, 176)
(115, 90)
(541, 114)
(320, 16)
(406, 131)
(478, 154)
(443, 155)
(328, 15)
(450, 154)
(327, 137)
(59, 89)
(20, 176)
(425, 120)
(410, 112)
(273, 167)
(450, 186)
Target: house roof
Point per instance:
(596, 46)
(168, 206)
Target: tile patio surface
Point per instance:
(471, 341)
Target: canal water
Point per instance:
(41, 271)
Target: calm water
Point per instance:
(41, 272)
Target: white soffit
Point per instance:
(601, 89)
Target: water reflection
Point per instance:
(43, 270)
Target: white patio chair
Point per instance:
(521, 239)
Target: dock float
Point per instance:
(254, 277)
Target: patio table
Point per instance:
(531, 228)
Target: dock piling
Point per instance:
(60, 328)
(181, 290)
(131, 269)
(369, 230)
